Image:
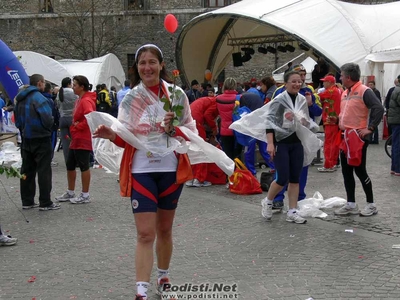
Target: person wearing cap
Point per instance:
(149, 175)
(194, 92)
(360, 112)
(315, 111)
(330, 99)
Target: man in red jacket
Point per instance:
(204, 112)
(330, 100)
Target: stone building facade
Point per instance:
(83, 29)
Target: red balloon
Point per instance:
(170, 23)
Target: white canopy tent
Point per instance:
(36, 63)
(341, 32)
(386, 65)
(106, 69)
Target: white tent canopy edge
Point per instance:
(106, 69)
(341, 32)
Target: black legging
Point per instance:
(361, 172)
(231, 148)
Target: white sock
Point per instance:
(291, 211)
(85, 194)
(269, 202)
(351, 204)
(142, 287)
(162, 274)
(71, 192)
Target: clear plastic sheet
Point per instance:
(311, 207)
(139, 123)
(272, 116)
(9, 153)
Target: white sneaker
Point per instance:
(206, 183)
(295, 218)
(163, 292)
(197, 183)
(80, 199)
(6, 240)
(369, 210)
(65, 197)
(326, 170)
(266, 210)
(189, 183)
(347, 210)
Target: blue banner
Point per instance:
(12, 73)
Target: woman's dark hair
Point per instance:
(134, 72)
(64, 83)
(288, 74)
(82, 81)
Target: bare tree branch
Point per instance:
(86, 29)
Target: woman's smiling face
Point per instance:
(293, 84)
(149, 68)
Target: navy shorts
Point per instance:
(78, 157)
(288, 162)
(151, 191)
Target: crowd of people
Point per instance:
(349, 113)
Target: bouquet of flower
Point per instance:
(331, 115)
(11, 172)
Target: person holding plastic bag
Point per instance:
(149, 172)
(285, 124)
(360, 113)
(288, 113)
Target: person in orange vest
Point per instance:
(362, 111)
(330, 100)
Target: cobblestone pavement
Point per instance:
(87, 251)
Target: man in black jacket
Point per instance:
(193, 93)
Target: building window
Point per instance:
(216, 3)
(134, 4)
(45, 6)
(131, 60)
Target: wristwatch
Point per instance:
(172, 132)
(371, 128)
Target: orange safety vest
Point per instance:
(353, 111)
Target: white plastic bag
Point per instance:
(333, 202)
(311, 143)
(7, 125)
(107, 154)
(310, 207)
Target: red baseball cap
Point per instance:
(329, 78)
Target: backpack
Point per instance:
(238, 112)
(102, 104)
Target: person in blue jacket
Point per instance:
(34, 119)
(315, 110)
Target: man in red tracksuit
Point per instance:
(204, 112)
(330, 100)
